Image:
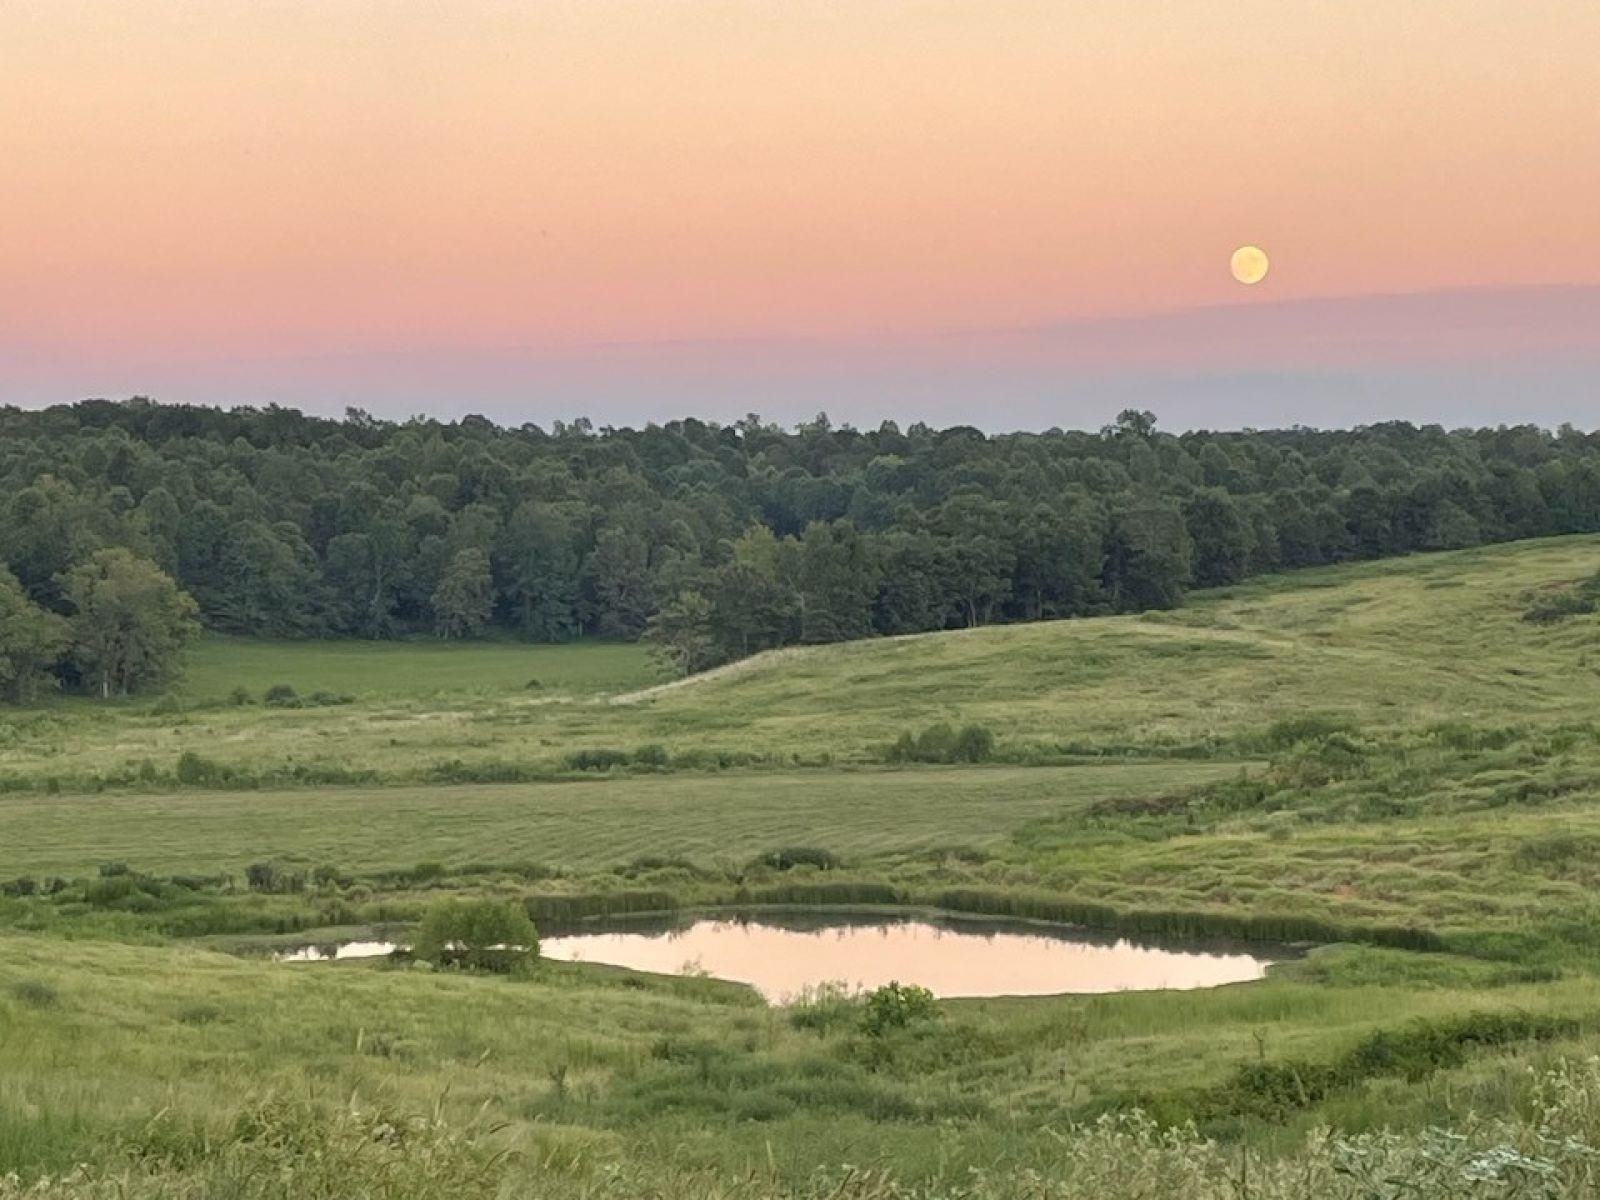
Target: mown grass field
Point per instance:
(369, 670)
(1385, 752)
(586, 825)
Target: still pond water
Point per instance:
(782, 956)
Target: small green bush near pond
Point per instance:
(896, 1005)
(477, 935)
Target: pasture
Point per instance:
(1394, 647)
(593, 824)
(1377, 756)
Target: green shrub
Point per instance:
(1287, 732)
(653, 755)
(323, 699)
(599, 759)
(1273, 1091)
(240, 697)
(282, 695)
(195, 769)
(974, 744)
(794, 856)
(477, 935)
(896, 1005)
(125, 892)
(261, 876)
(266, 877)
(1578, 600)
(943, 744)
(329, 876)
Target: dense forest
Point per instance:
(713, 540)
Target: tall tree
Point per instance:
(464, 599)
(682, 635)
(130, 622)
(619, 582)
(1148, 557)
(31, 640)
(833, 572)
(1219, 536)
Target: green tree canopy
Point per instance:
(464, 599)
(130, 621)
(31, 640)
(478, 934)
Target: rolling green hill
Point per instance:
(1384, 759)
(1395, 646)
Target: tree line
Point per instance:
(714, 541)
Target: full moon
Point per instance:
(1249, 264)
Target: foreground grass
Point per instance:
(583, 1070)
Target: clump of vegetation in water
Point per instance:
(477, 935)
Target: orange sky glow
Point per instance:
(225, 178)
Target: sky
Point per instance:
(1010, 213)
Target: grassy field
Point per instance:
(587, 1067)
(592, 824)
(370, 670)
(1386, 755)
(1393, 647)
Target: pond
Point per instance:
(782, 955)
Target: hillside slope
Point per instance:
(1411, 642)
(1399, 645)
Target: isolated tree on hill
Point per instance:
(130, 621)
(464, 599)
(31, 640)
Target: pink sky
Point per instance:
(194, 186)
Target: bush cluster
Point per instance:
(1578, 600)
(1273, 1091)
(283, 695)
(788, 857)
(944, 744)
(478, 935)
(896, 1005)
